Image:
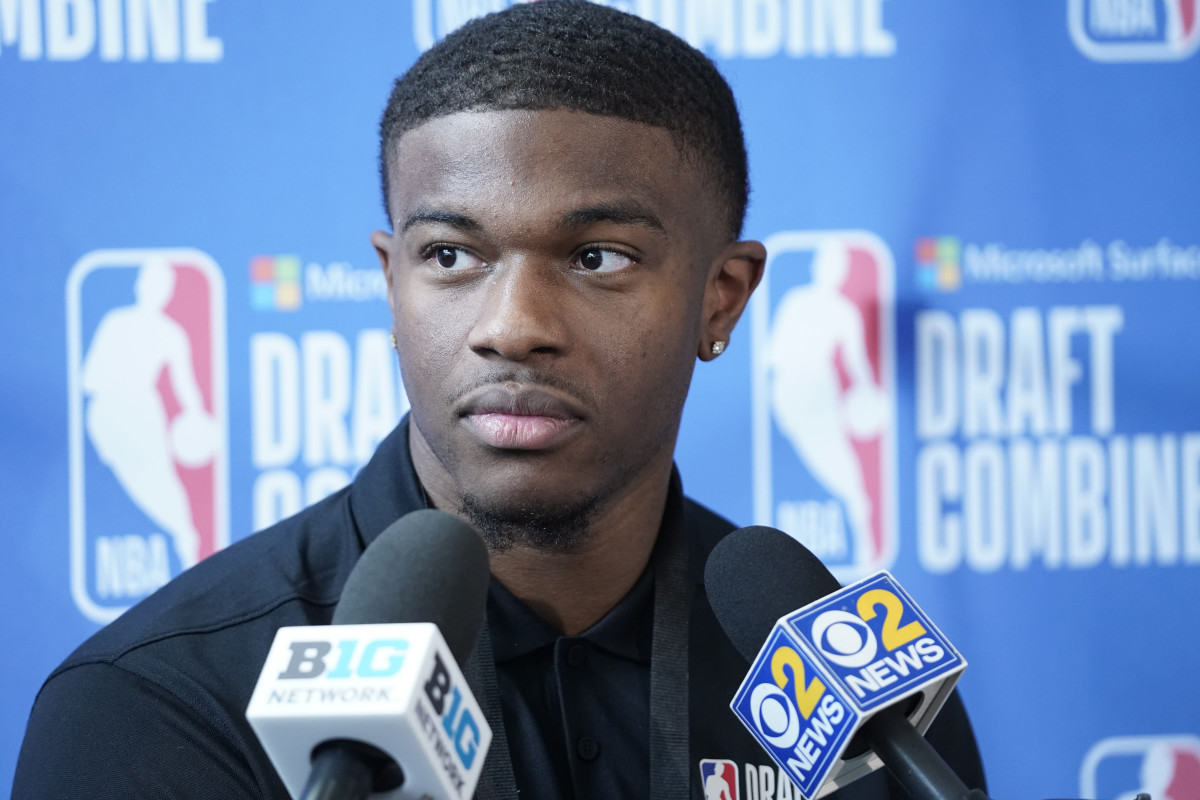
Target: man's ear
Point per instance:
(731, 280)
(382, 241)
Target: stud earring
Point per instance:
(394, 345)
(718, 347)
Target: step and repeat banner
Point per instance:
(973, 359)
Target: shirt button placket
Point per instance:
(573, 659)
(586, 747)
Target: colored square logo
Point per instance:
(938, 263)
(275, 283)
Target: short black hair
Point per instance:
(579, 56)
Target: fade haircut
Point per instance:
(579, 56)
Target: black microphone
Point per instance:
(427, 566)
(754, 577)
(376, 701)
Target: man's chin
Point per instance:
(507, 524)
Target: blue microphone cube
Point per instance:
(795, 711)
(828, 667)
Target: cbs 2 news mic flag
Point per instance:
(828, 667)
(394, 686)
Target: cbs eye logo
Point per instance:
(782, 717)
(775, 716)
(846, 639)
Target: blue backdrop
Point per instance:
(972, 361)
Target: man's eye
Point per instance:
(454, 258)
(596, 259)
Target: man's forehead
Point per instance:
(481, 130)
(483, 157)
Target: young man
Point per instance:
(566, 186)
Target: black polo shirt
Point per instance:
(153, 706)
(578, 704)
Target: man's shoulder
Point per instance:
(289, 574)
(160, 694)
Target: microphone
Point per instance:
(828, 663)
(376, 702)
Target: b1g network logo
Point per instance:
(824, 397)
(1165, 767)
(1135, 30)
(148, 430)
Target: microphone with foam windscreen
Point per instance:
(376, 703)
(829, 663)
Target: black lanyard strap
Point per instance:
(497, 781)
(669, 752)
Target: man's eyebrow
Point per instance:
(621, 213)
(440, 217)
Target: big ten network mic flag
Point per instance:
(971, 363)
(376, 704)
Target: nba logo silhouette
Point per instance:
(148, 430)
(1135, 30)
(824, 432)
(1165, 767)
(718, 779)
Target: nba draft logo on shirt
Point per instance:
(824, 397)
(1135, 30)
(1165, 767)
(148, 431)
(719, 779)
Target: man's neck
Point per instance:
(573, 590)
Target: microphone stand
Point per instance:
(913, 763)
(345, 769)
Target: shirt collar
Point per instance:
(624, 631)
(386, 488)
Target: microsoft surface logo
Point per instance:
(937, 260)
(275, 283)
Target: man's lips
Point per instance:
(514, 417)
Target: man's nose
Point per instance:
(522, 311)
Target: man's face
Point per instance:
(553, 276)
